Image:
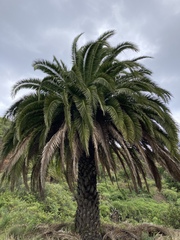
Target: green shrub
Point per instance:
(118, 195)
(24, 209)
(178, 201)
(59, 203)
(170, 195)
(171, 217)
(140, 210)
(105, 212)
(16, 211)
(171, 183)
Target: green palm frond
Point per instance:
(116, 115)
(104, 81)
(101, 143)
(85, 110)
(75, 53)
(9, 142)
(49, 86)
(51, 105)
(30, 114)
(48, 68)
(120, 48)
(26, 84)
(83, 131)
(92, 60)
(12, 111)
(130, 128)
(106, 35)
(60, 65)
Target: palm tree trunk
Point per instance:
(87, 221)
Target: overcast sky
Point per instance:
(36, 29)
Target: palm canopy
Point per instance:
(102, 104)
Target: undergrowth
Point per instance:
(21, 212)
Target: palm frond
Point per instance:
(51, 104)
(74, 49)
(106, 35)
(49, 149)
(32, 83)
(15, 156)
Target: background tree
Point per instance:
(103, 110)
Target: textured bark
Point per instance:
(87, 221)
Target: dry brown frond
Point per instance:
(130, 232)
(14, 156)
(50, 148)
(125, 231)
(118, 234)
(57, 231)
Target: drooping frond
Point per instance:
(26, 84)
(51, 105)
(47, 67)
(16, 154)
(52, 145)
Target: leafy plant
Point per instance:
(171, 217)
(170, 195)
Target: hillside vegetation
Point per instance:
(21, 213)
(24, 216)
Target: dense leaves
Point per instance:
(102, 99)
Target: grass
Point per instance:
(24, 216)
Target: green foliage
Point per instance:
(139, 210)
(14, 209)
(170, 195)
(128, 205)
(59, 203)
(105, 211)
(171, 217)
(172, 183)
(4, 125)
(21, 212)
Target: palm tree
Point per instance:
(103, 111)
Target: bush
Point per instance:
(170, 195)
(118, 195)
(105, 212)
(20, 211)
(14, 210)
(171, 183)
(59, 203)
(140, 210)
(171, 217)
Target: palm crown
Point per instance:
(102, 104)
(103, 110)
